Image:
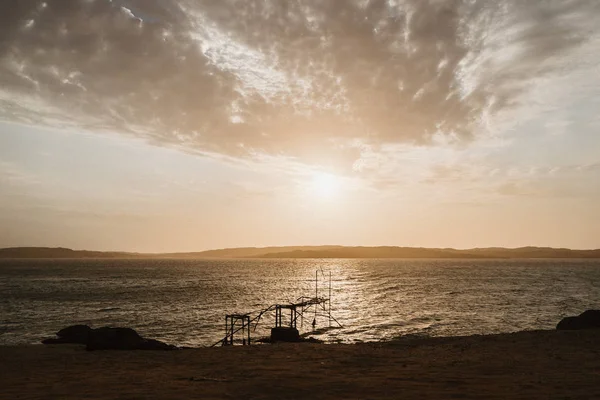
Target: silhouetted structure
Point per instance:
(285, 331)
(231, 321)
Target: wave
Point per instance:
(108, 309)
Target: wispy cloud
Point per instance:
(12, 175)
(321, 82)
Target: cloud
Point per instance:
(320, 81)
(13, 176)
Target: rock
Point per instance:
(311, 340)
(153, 344)
(568, 323)
(71, 334)
(300, 340)
(55, 341)
(284, 334)
(114, 339)
(589, 319)
(106, 338)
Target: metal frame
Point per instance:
(297, 309)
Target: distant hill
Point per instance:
(536, 252)
(311, 252)
(418, 252)
(60, 252)
(373, 252)
(245, 252)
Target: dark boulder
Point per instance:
(153, 344)
(284, 334)
(107, 339)
(114, 338)
(56, 341)
(71, 334)
(589, 319)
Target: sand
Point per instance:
(525, 365)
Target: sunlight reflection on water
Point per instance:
(184, 301)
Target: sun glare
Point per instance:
(324, 185)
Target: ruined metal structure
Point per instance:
(230, 328)
(238, 326)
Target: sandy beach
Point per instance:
(524, 365)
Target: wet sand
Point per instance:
(524, 365)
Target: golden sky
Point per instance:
(187, 125)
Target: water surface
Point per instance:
(184, 301)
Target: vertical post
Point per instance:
(248, 317)
(316, 296)
(226, 330)
(330, 298)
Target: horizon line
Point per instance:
(299, 246)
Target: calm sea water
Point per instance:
(184, 302)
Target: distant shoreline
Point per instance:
(299, 258)
(310, 252)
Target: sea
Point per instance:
(184, 302)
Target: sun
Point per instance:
(324, 185)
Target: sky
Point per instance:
(185, 125)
